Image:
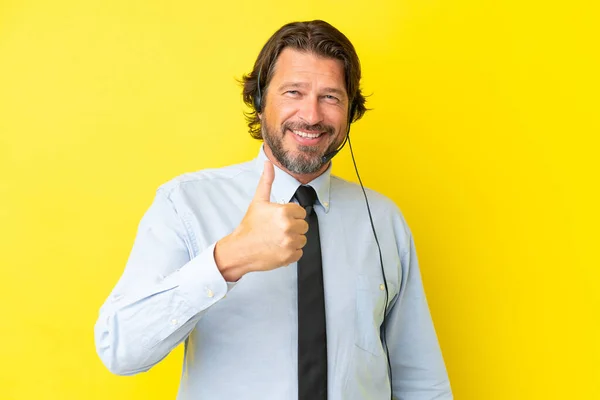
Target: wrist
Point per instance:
(228, 259)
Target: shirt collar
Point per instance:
(285, 185)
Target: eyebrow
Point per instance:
(300, 85)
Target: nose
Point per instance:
(310, 110)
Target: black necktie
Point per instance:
(312, 338)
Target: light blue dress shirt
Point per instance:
(241, 338)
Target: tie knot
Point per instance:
(306, 196)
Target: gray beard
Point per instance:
(308, 161)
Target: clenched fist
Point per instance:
(270, 235)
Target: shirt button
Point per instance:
(382, 287)
(209, 293)
(326, 204)
(173, 322)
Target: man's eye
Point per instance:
(293, 92)
(330, 97)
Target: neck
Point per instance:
(302, 178)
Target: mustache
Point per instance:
(300, 126)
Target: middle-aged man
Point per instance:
(269, 270)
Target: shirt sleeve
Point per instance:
(418, 369)
(161, 295)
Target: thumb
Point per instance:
(263, 190)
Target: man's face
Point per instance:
(306, 110)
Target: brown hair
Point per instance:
(317, 37)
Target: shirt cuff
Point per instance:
(200, 282)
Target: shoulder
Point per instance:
(353, 192)
(382, 207)
(207, 178)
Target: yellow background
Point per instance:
(484, 130)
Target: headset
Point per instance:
(257, 100)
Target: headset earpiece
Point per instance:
(352, 112)
(257, 101)
(258, 95)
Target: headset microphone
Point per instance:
(327, 157)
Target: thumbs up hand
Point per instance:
(270, 235)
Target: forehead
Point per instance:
(303, 66)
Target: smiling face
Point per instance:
(305, 114)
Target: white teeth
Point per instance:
(307, 135)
